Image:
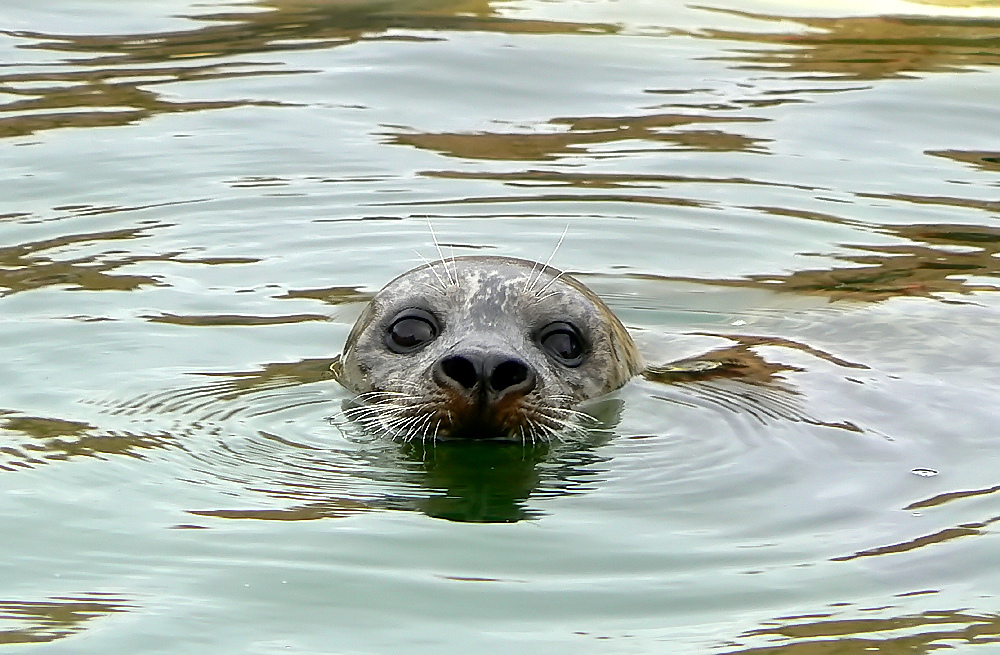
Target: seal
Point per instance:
(484, 347)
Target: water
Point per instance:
(196, 200)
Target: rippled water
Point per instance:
(197, 199)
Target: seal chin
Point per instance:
(479, 430)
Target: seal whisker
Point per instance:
(380, 396)
(454, 264)
(377, 409)
(424, 428)
(390, 426)
(444, 287)
(547, 432)
(547, 262)
(527, 280)
(435, 289)
(444, 262)
(406, 427)
(538, 294)
(409, 428)
(536, 433)
(576, 414)
(552, 294)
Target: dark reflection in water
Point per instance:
(26, 266)
(49, 620)
(478, 482)
(112, 86)
(475, 482)
(491, 482)
(943, 201)
(937, 259)
(458, 481)
(206, 401)
(941, 499)
(867, 47)
(550, 178)
(331, 295)
(204, 320)
(825, 634)
(29, 441)
(739, 361)
(739, 379)
(941, 536)
(575, 134)
(984, 160)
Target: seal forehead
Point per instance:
(490, 295)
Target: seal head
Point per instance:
(484, 348)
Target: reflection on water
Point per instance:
(233, 319)
(574, 135)
(49, 620)
(112, 87)
(984, 160)
(935, 261)
(211, 398)
(940, 499)
(464, 482)
(52, 439)
(867, 47)
(834, 331)
(942, 536)
(474, 482)
(27, 267)
(819, 634)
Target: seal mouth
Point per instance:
(478, 431)
(483, 420)
(453, 416)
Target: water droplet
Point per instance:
(924, 473)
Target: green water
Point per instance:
(197, 199)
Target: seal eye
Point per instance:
(410, 331)
(563, 342)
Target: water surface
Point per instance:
(197, 199)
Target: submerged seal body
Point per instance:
(483, 347)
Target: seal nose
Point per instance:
(495, 376)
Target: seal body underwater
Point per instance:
(483, 347)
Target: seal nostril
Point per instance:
(508, 374)
(460, 370)
(487, 377)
